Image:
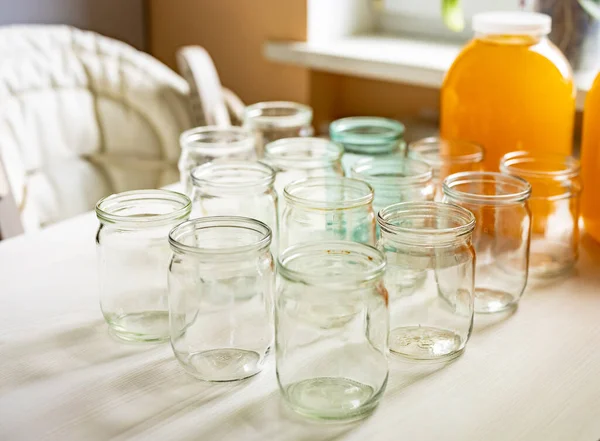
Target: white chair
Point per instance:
(83, 116)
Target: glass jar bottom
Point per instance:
(228, 364)
(489, 300)
(143, 326)
(425, 343)
(548, 260)
(332, 398)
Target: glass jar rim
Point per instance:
(300, 114)
(199, 140)
(219, 222)
(520, 193)
(286, 153)
(329, 183)
(372, 257)
(559, 167)
(108, 207)
(341, 130)
(428, 150)
(204, 176)
(390, 221)
(415, 173)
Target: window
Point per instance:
(423, 17)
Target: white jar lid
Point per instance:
(512, 23)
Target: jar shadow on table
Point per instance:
(405, 373)
(61, 351)
(277, 421)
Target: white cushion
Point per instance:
(83, 116)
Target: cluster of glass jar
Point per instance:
(375, 245)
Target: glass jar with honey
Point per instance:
(510, 89)
(590, 161)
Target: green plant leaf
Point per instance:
(453, 16)
(592, 7)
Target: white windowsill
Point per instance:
(391, 58)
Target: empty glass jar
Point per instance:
(133, 256)
(395, 179)
(301, 158)
(501, 237)
(236, 188)
(554, 204)
(331, 208)
(331, 329)
(275, 120)
(447, 157)
(221, 288)
(429, 278)
(365, 136)
(205, 144)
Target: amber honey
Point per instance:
(508, 93)
(590, 162)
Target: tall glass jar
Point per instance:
(501, 237)
(301, 158)
(331, 327)
(327, 209)
(205, 144)
(554, 204)
(446, 158)
(221, 288)
(430, 241)
(133, 255)
(275, 120)
(510, 88)
(395, 179)
(590, 160)
(236, 188)
(365, 136)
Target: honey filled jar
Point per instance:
(510, 89)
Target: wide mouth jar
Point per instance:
(278, 114)
(302, 153)
(331, 263)
(391, 170)
(329, 193)
(438, 152)
(426, 223)
(550, 175)
(367, 135)
(232, 177)
(486, 188)
(143, 208)
(220, 237)
(214, 141)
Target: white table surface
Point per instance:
(532, 376)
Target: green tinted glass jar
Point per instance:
(366, 136)
(395, 179)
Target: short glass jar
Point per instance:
(331, 208)
(446, 158)
(205, 144)
(300, 158)
(366, 136)
(554, 204)
(501, 237)
(221, 288)
(133, 256)
(331, 327)
(429, 242)
(273, 120)
(236, 188)
(395, 179)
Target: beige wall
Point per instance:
(233, 32)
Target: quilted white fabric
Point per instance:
(83, 116)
